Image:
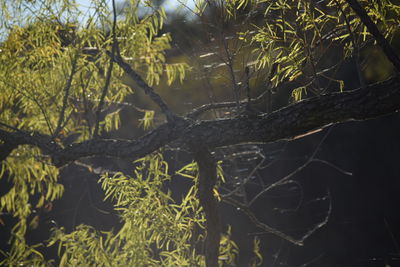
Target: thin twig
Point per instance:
(333, 166)
(247, 72)
(109, 72)
(255, 169)
(118, 104)
(95, 170)
(299, 242)
(206, 107)
(259, 224)
(42, 110)
(66, 95)
(286, 178)
(230, 62)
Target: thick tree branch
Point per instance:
(373, 29)
(302, 117)
(286, 123)
(6, 149)
(12, 139)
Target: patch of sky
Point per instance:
(24, 12)
(184, 7)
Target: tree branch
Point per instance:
(373, 29)
(146, 88)
(6, 149)
(286, 123)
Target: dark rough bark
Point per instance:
(206, 183)
(5, 150)
(374, 101)
(286, 123)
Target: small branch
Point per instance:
(373, 29)
(299, 242)
(287, 178)
(40, 106)
(96, 170)
(247, 179)
(355, 46)
(171, 117)
(245, 209)
(66, 95)
(268, 91)
(247, 72)
(120, 105)
(333, 166)
(206, 107)
(109, 72)
(231, 72)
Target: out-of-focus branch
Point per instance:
(245, 209)
(300, 241)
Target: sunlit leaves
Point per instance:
(298, 34)
(147, 120)
(155, 229)
(144, 46)
(228, 249)
(297, 94)
(38, 55)
(258, 258)
(30, 176)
